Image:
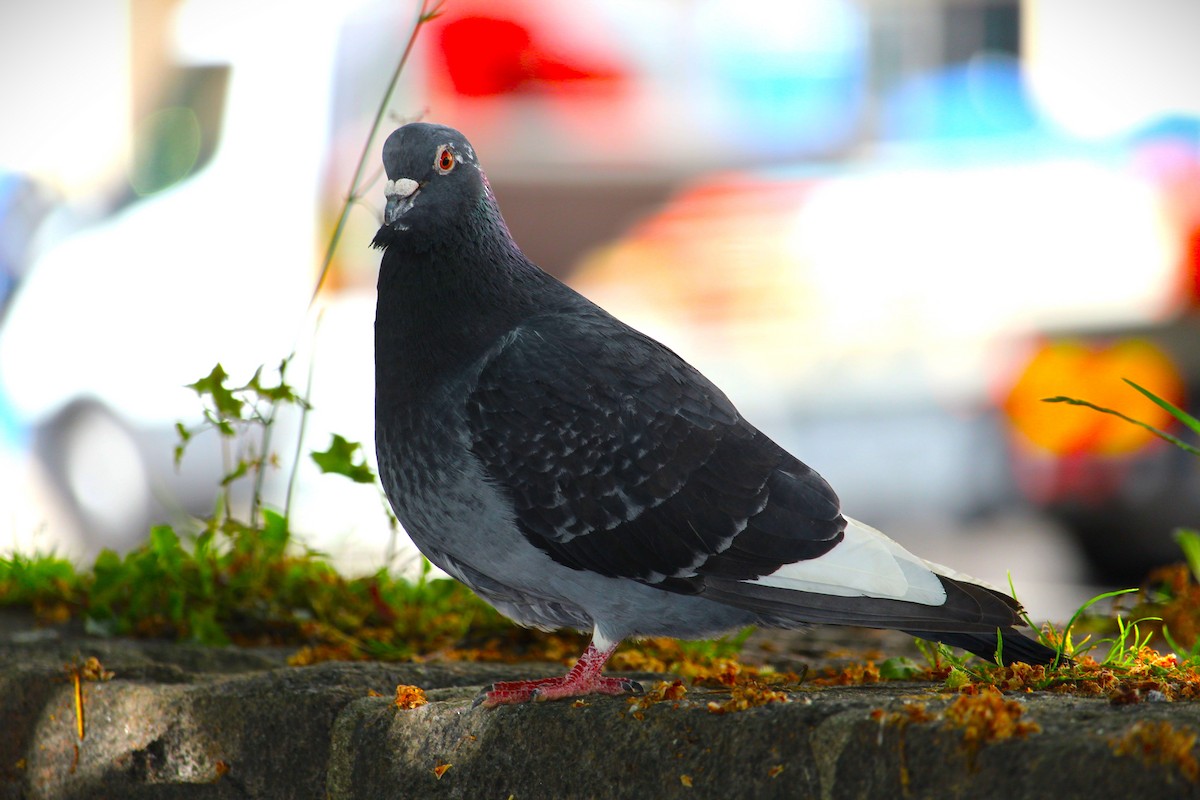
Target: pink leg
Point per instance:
(584, 678)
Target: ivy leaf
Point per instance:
(213, 386)
(274, 535)
(282, 392)
(185, 436)
(344, 458)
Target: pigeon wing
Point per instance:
(622, 459)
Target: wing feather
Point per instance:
(650, 473)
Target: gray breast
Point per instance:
(463, 524)
(460, 521)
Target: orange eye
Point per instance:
(445, 160)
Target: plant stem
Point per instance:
(426, 10)
(305, 407)
(226, 462)
(268, 424)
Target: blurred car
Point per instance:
(1120, 490)
(889, 320)
(206, 252)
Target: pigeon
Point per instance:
(576, 473)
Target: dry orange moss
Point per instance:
(748, 687)
(93, 670)
(750, 694)
(744, 691)
(520, 645)
(982, 717)
(409, 697)
(850, 675)
(51, 612)
(1180, 612)
(668, 655)
(1149, 675)
(315, 654)
(517, 645)
(988, 717)
(1160, 743)
(908, 714)
(663, 691)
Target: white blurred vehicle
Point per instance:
(890, 322)
(210, 255)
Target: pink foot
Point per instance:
(584, 678)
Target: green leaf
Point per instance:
(344, 458)
(282, 392)
(164, 541)
(228, 406)
(957, 678)
(185, 436)
(432, 14)
(274, 535)
(898, 669)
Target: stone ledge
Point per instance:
(825, 745)
(178, 721)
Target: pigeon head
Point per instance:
(434, 180)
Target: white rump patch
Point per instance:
(864, 564)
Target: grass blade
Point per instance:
(1157, 432)
(1176, 412)
(1189, 542)
(1065, 640)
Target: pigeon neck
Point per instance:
(441, 306)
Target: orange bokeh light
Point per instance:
(1093, 373)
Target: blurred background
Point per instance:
(887, 228)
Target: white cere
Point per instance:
(400, 188)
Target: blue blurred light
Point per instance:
(792, 75)
(1180, 128)
(982, 98)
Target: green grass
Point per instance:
(251, 585)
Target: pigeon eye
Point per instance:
(445, 160)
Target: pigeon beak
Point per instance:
(400, 195)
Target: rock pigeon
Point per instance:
(576, 473)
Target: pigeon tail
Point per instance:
(871, 581)
(1016, 646)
